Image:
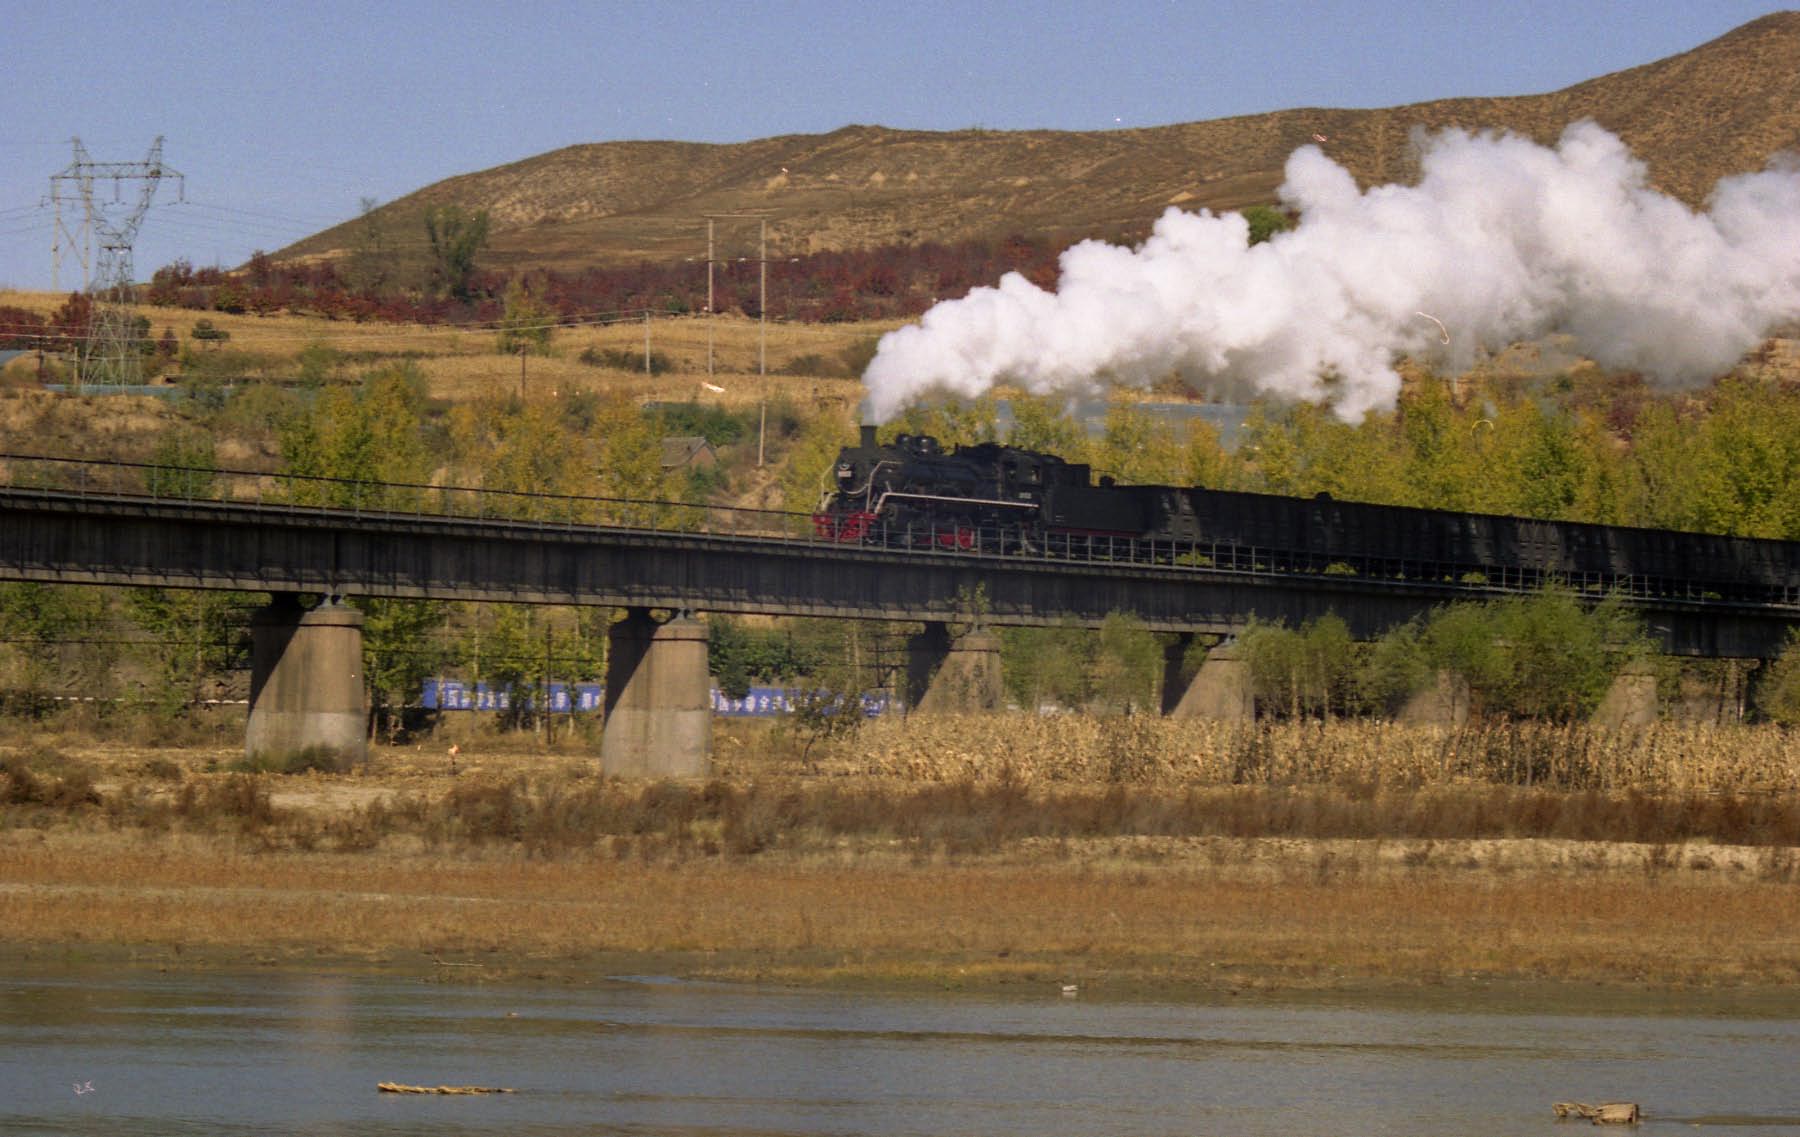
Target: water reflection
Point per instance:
(289, 1053)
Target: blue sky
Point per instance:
(284, 116)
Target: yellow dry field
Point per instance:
(1309, 916)
(1122, 913)
(729, 360)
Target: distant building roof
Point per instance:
(687, 451)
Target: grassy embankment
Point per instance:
(1125, 855)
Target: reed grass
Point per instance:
(1665, 758)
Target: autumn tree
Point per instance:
(20, 328)
(456, 237)
(1137, 448)
(1043, 422)
(526, 323)
(368, 442)
(371, 263)
(806, 476)
(526, 453)
(952, 421)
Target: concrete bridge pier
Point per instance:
(1220, 690)
(1174, 679)
(1631, 703)
(948, 674)
(658, 699)
(306, 682)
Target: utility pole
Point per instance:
(762, 314)
(762, 334)
(709, 298)
(110, 350)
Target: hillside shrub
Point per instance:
(620, 359)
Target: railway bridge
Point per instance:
(129, 524)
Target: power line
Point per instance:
(110, 355)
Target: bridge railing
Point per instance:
(162, 482)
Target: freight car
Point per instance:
(1000, 500)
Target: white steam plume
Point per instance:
(1501, 240)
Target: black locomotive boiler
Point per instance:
(1000, 500)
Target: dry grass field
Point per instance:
(519, 862)
(749, 360)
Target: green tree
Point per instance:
(183, 465)
(1127, 666)
(46, 634)
(402, 648)
(1439, 469)
(516, 655)
(526, 322)
(1394, 668)
(1551, 468)
(828, 701)
(1560, 656)
(371, 263)
(1306, 671)
(952, 421)
(317, 361)
(1545, 655)
(456, 237)
(1043, 423)
(740, 656)
(1265, 221)
(1778, 694)
(1052, 665)
(368, 440)
(194, 639)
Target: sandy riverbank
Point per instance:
(554, 874)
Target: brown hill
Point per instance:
(1720, 109)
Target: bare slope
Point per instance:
(1720, 109)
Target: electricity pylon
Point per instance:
(111, 350)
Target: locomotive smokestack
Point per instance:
(868, 437)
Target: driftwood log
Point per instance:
(400, 1088)
(1606, 1113)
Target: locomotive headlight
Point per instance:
(845, 471)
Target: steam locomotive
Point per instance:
(992, 499)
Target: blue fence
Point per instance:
(568, 698)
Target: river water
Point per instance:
(91, 1049)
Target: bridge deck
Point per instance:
(132, 539)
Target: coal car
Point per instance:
(1002, 500)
